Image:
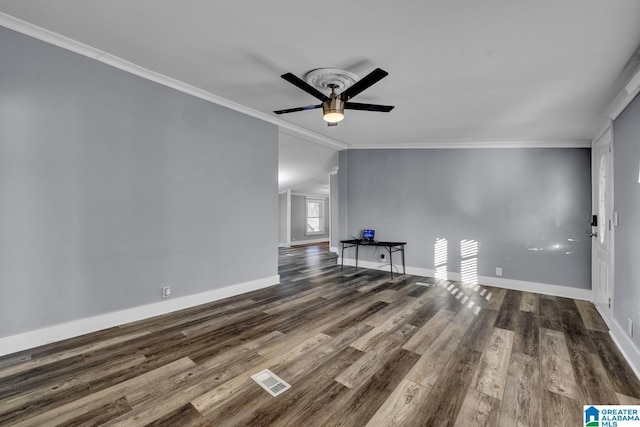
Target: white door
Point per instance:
(602, 227)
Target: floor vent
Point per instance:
(269, 381)
(428, 285)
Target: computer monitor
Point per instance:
(368, 235)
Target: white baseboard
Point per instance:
(306, 242)
(38, 337)
(623, 342)
(284, 245)
(540, 288)
(498, 282)
(626, 347)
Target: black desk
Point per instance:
(391, 247)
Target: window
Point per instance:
(315, 216)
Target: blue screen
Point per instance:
(368, 234)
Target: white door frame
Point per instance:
(602, 247)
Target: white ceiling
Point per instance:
(460, 72)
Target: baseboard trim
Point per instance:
(540, 288)
(306, 242)
(516, 285)
(628, 349)
(284, 245)
(38, 337)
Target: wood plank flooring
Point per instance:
(358, 348)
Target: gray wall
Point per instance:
(299, 220)
(112, 186)
(282, 223)
(342, 225)
(529, 209)
(626, 152)
(334, 201)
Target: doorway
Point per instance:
(602, 225)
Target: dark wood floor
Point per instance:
(357, 347)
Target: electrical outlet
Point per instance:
(498, 271)
(382, 257)
(630, 327)
(166, 291)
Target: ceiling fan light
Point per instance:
(332, 116)
(333, 110)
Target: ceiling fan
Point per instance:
(333, 106)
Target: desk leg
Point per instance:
(404, 271)
(357, 246)
(342, 262)
(390, 262)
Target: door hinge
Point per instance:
(609, 224)
(609, 302)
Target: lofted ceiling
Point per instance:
(461, 73)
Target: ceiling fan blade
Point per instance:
(293, 110)
(370, 79)
(297, 81)
(368, 107)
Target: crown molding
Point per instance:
(316, 139)
(634, 83)
(620, 102)
(443, 144)
(624, 97)
(75, 46)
